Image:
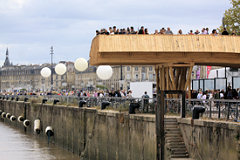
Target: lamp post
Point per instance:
(223, 22)
(51, 53)
(121, 78)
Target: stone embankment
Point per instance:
(106, 135)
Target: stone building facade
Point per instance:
(16, 77)
(121, 78)
(28, 77)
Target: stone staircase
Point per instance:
(174, 140)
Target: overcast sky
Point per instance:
(30, 27)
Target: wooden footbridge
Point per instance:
(173, 57)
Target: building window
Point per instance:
(128, 68)
(136, 68)
(143, 76)
(128, 76)
(150, 76)
(143, 69)
(150, 68)
(136, 76)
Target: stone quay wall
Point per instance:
(92, 134)
(106, 135)
(211, 140)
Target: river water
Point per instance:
(16, 145)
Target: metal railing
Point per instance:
(214, 108)
(146, 105)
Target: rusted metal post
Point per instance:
(183, 115)
(160, 134)
(157, 115)
(162, 131)
(158, 126)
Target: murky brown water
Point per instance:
(15, 145)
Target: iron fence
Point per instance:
(214, 108)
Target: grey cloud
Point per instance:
(69, 26)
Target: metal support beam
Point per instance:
(160, 133)
(162, 130)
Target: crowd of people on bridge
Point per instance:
(142, 30)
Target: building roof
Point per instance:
(7, 62)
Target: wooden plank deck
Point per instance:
(160, 49)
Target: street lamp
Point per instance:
(104, 72)
(121, 77)
(51, 53)
(223, 22)
(60, 69)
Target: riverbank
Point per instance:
(104, 134)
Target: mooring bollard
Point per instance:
(55, 101)
(20, 119)
(104, 105)
(3, 114)
(26, 123)
(44, 101)
(81, 103)
(13, 118)
(8, 115)
(37, 126)
(132, 107)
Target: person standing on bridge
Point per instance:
(225, 32)
(214, 32)
(169, 31)
(141, 31)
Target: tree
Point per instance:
(231, 19)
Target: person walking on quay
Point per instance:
(145, 98)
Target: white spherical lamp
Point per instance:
(60, 69)
(46, 72)
(81, 64)
(104, 72)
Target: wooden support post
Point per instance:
(188, 82)
(162, 78)
(157, 77)
(167, 79)
(183, 79)
(179, 71)
(173, 80)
